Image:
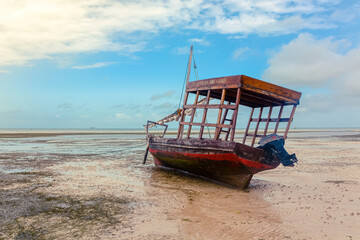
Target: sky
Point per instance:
(117, 64)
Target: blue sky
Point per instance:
(116, 64)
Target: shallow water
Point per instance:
(83, 186)
(75, 144)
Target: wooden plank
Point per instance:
(225, 114)
(212, 106)
(215, 83)
(217, 130)
(204, 114)
(257, 135)
(193, 114)
(213, 87)
(269, 94)
(269, 89)
(223, 121)
(248, 126)
(289, 123)
(257, 127)
(235, 114)
(206, 124)
(279, 118)
(181, 127)
(268, 120)
(231, 96)
(261, 99)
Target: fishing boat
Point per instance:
(220, 153)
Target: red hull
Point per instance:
(218, 160)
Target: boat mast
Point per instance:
(181, 127)
(189, 67)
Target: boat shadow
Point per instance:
(170, 176)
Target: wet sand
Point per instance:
(95, 187)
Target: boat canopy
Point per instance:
(254, 92)
(233, 91)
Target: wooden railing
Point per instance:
(268, 119)
(221, 118)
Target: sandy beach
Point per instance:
(94, 186)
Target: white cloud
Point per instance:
(305, 61)
(182, 50)
(122, 116)
(347, 14)
(264, 16)
(200, 41)
(301, 109)
(264, 24)
(64, 106)
(162, 95)
(4, 71)
(317, 63)
(10, 112)
(277, 6)
(316, 103)
(41, 29)
(119, 106)
(95, 65)
(237, 37)
(166, 106)
(240, 52)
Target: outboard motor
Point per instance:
(274, 144)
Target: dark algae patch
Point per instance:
(27, 214)
(93, 209)
(51, 216)
(28, 210)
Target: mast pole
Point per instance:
(189, 67)
(181, 126)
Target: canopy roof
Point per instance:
(254, 92)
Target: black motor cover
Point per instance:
(274, 144)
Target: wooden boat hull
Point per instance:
(227, 162)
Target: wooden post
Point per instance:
(217, 132)
(279, 117)
(290, 120)
(257, 126)
(223, 122)
(248, 126)
(204, 115)
(225, 114)
(268, 121)
(192, 115)
(235, 114)
(181, 127)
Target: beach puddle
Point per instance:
(340, 182)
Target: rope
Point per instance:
(195, 69)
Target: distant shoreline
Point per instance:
(29, 133)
